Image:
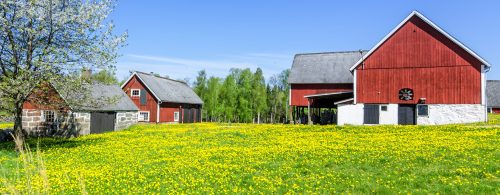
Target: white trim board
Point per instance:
(415, 13)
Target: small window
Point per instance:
(423, 110)
(383, 108)
(48, 116)
(143, 116)
(135, 93)
(176, 116)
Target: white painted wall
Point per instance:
(440, 114)
(350, 114)
(389, 117)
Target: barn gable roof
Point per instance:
(329, 67)
(102, 98)
(167, 90)
(430, 23)
(493, 93)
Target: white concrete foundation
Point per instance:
(440, 114)
(351, 114)
(389, 117)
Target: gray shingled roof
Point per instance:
(106, 98)
(168, 90)
(331, 67)
(493, 93)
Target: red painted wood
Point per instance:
(419, 57)
(151, 103)
(496, 110)
(298, 91)
(167, 112)
(45, 98)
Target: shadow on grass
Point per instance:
(48, 143)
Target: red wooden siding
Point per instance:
(167, 112)
(300, 90)
(45, 98)
(496, 110)
(419, 57)
(151, 103)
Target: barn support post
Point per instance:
(309, 112)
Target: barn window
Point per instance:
(48, 116)
(423, 110)
(143, 116)
(135, 93)
(383, 108)
(490, 110)
(176, 116)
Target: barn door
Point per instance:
(406, 114)
(198, 115)
(101, 122)
(371, 114)
(186, 112)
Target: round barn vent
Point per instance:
(406, 94)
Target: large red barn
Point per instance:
(417, 74)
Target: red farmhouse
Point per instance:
(163, 100)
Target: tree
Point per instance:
(245, 98)
(50, 41)
(212, 99)
(259, 93)
(106, 77)
(200, 86)
(228, 97)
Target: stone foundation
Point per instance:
(70, 123)
(125, 120)
(440, 114)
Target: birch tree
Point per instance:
(50, 41)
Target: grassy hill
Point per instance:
(239, 158)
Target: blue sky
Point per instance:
(180, 37)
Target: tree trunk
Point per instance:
(18, 127)
(258, 117)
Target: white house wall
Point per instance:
(440, 114)
(350, 114)
(389, 117)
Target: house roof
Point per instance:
(493, 93)
(419, 15)
(330, 67)
(103, 98)
(168, 90)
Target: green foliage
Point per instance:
(48, 41)
(211, 158)
(244, 97)
(106, 77)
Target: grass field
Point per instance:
(6, 125)
(222, 158)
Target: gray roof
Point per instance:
(331, 67)
(493, 93)
(105, 98)
(169, 90)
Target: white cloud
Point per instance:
(179, 68)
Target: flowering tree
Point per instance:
(50, 41)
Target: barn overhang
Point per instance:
(328, 100)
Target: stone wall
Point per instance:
(70, 123)
(440, 114)
(125, 119)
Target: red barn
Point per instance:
(163, 100)
(417, 74)
(317, 80)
